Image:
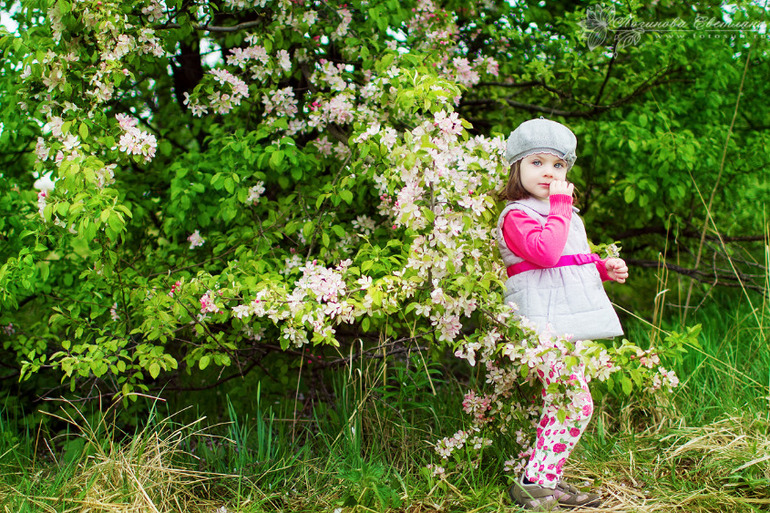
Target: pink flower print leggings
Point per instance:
(555, 440)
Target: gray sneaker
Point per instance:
(539, 498)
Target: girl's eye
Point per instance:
(559, 165)
(536, 162)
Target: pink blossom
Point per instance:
(281, 102)
(114, 312)
(41, 201)
(559, 448)
(135, 141)
(449, 124)
(342, 28)
(207, 303)
(324, 145)
(195, 239)
(284, 60)
(41, 150)
(255, 193)
(55, 126)
(175, 288)
(125, 122)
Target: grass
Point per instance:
(704, 449)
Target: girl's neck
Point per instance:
(546, 201)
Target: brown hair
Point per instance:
(514, 190)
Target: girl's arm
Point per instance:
(540, 244)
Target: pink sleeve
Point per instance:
(539, 244)
(601, 265)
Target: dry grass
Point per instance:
(722, 467)
(143, 473)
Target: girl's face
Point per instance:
(539, 170)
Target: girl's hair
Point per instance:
(514, 190)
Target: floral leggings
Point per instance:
(555, 440)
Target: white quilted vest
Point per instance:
(568, 300)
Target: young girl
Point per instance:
(556, 283)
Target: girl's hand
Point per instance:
(616, 269)
(560, 187)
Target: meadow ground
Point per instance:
(704, 448)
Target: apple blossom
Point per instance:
(195, 239)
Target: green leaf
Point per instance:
(204, 361)
(276, 159)
(44, 268)
(229, 184)
(346, 196)
(116, 222)
(307, 229)
(154, 370)
(629, 194)
(627, 385)
(338, 230)
(83, 131)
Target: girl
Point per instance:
(556, 283)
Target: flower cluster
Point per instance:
(446, 446)
(280, 103)
(195, 239)
(68, 143)
(41, 201)
(134, 141)
(503, 354)
(175, 288)
(343, 27)
(437, 471)
(114, 312)
(477, 406)
(207, 303)
(255, 192)
(664, 379)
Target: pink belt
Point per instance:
(581, 259)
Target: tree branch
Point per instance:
(725, 279)
(214, 28)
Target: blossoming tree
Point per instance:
(192, 183)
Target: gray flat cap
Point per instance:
(541, 136)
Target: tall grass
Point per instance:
(704, 449)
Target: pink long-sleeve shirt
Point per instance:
(543, 244)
